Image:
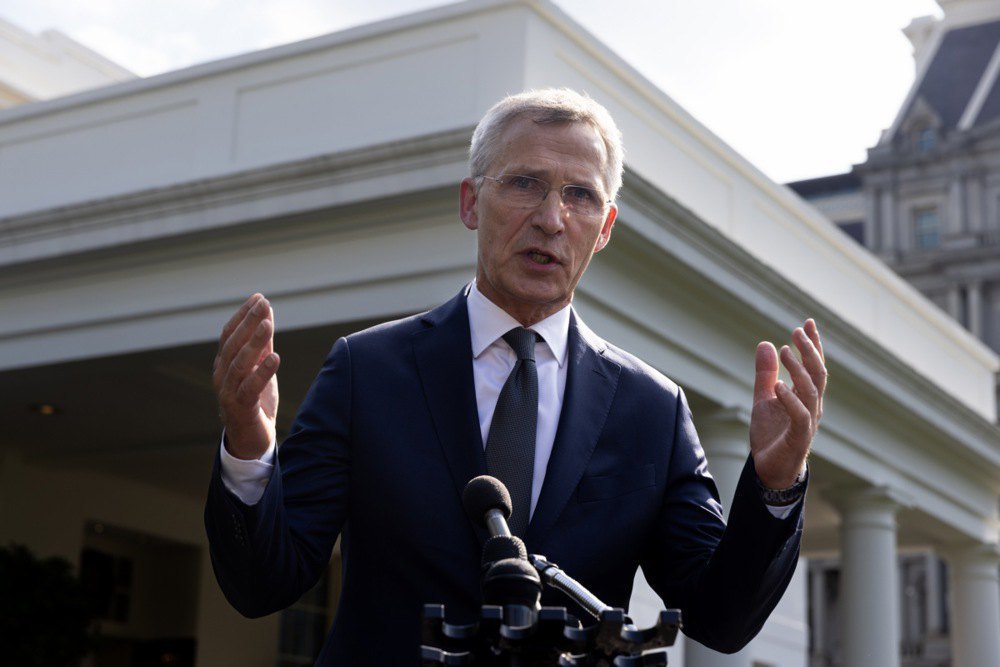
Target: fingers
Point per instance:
(240, 329)
(237, 317)
(801, 425)
(805, 389)
(246, 361)
(808, 375)
(253, 351)
(810, 349)
(812, 331)
(227, 331)
(785, 416)
(766, 376)
(248, 392)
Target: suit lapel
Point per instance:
(591, 382)
(443, 353)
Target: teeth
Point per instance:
(540, 258)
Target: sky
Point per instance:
(801, 88)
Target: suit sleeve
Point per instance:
(265, 556)
(725, 579)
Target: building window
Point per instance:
(924, 139)
(926, 228)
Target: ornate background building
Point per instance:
(927, 199)
(927, 203)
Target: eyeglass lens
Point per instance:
(528, 191)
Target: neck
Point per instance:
(526, 314)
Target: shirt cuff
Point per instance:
(778, 511)
(246, 480)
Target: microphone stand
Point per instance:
(513, 630)
(551, 574)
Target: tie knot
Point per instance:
(522, 341)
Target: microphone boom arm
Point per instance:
(555, 577)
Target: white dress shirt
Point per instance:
(492, 361)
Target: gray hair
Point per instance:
(552, 105)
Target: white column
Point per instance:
(975, 605)
(890, 225)
(954, 222)
(869, 607)
(874, 231)
(954, 302)
(974, 308)
(975, 211)
(725, 439)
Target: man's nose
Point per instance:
(550, 214)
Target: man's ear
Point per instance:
(605, 235)
(468, 197)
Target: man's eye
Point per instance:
(522, 182)
(578, 193)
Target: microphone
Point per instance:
(500, 547)
(513, 584)
(505, 579)
(509, 580)
(487, 503)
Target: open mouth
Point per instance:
(540, 257)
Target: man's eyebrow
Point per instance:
(524, 170)
(545, 175)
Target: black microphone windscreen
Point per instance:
(483, 494)
(512, 581)
(500, 547)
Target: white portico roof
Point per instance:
(417, 76)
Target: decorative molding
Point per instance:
(978, 559)
(882, 499)
(194, 199)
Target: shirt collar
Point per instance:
(488, 322)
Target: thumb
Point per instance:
(766, 372)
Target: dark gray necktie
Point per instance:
(510, 446)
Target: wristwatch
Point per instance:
(787, 496)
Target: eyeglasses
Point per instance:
(529, 192)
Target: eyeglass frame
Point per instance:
(561, 189)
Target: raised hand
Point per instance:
(245, 378)
(784, 420)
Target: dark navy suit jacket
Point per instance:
(384, 444)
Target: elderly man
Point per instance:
(598, 449)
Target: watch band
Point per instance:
(787, 496)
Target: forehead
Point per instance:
(569, 151)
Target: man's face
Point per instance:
(530, 259)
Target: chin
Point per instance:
(537, 297)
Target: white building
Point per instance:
(135, 218)
(51, 64)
